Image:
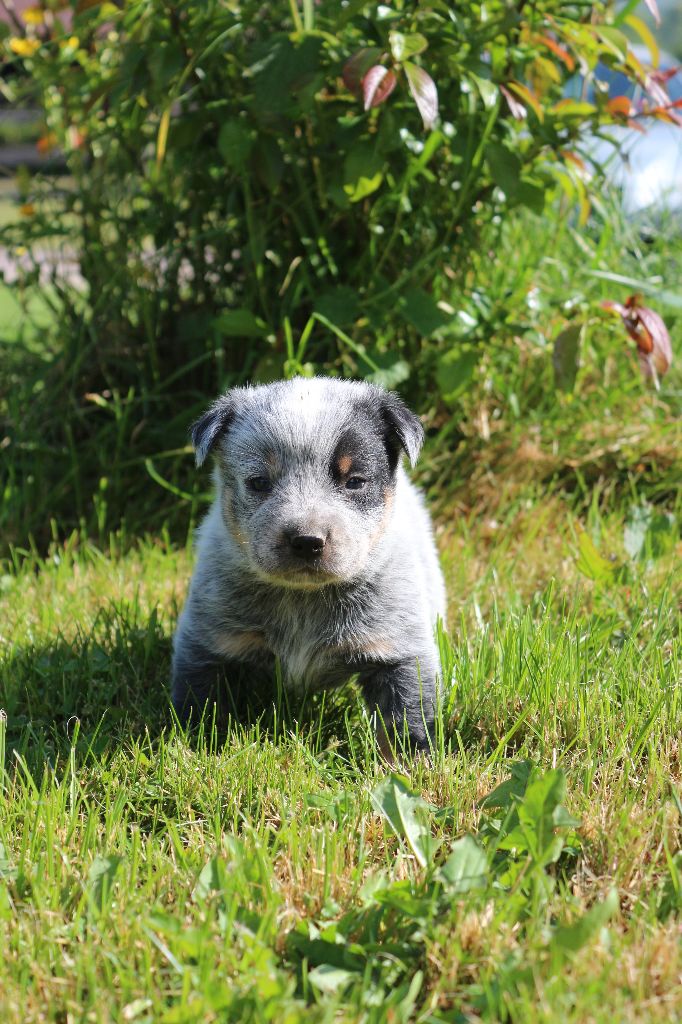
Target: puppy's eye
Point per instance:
(259, 484)
(355, 483)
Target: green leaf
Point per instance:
(234, 144)
(405, 46)
(327, 978)
(362, 171)
(541, 812)
(211, 878)
(565, 356)
(363, 187)
(487, 89)
(240, 323)
(455, 370)
(531, 195)
(286, 75)
(340, 305)
(571, 938)
(393, 369)
(504, 167)
(268, 162)
(101, 875)
(591, 563)
(512, 789)
(402, 810)
(422, 311)
(466, 868)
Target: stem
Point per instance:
(296, 15)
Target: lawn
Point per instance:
(285, 873)
(234, 226)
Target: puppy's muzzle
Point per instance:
(307, 547)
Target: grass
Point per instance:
(148, 877)
(285, 873)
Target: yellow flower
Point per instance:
(27, 210)
(33, 16)
(24, 47)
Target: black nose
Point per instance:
(307, 547)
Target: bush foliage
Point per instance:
(236, 213)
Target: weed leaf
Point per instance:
(466, 868)
(401, 810)
(101, 875)
(570, 938)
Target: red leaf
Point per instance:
(648, 331)
(424, 92)
(377, 86)
(517, 109)
(662, 76)
(620, 106)
(653, 7)
(357, 66)
(560, 52)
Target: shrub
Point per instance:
(237, 213)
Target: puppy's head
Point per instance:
(306, 474)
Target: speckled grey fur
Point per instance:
(368, 605)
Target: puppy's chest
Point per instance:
(317, 643)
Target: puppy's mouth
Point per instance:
(311, 574)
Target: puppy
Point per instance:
(317, 551)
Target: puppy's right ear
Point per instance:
(215, 421)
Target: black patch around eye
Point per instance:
(361, 452)
(259, 484)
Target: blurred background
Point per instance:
(445, 201)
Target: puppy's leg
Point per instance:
(196, 684)
(403, 696)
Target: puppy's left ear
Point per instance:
(404, 428)
(215, 421)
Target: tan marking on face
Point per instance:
(385, 519)
(239, 645)
(231, 520)
(345, 462)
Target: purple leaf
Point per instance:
(648, 331)
(377, 86)
(357, 66)
(424, 92)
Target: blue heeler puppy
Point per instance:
(317, 550)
